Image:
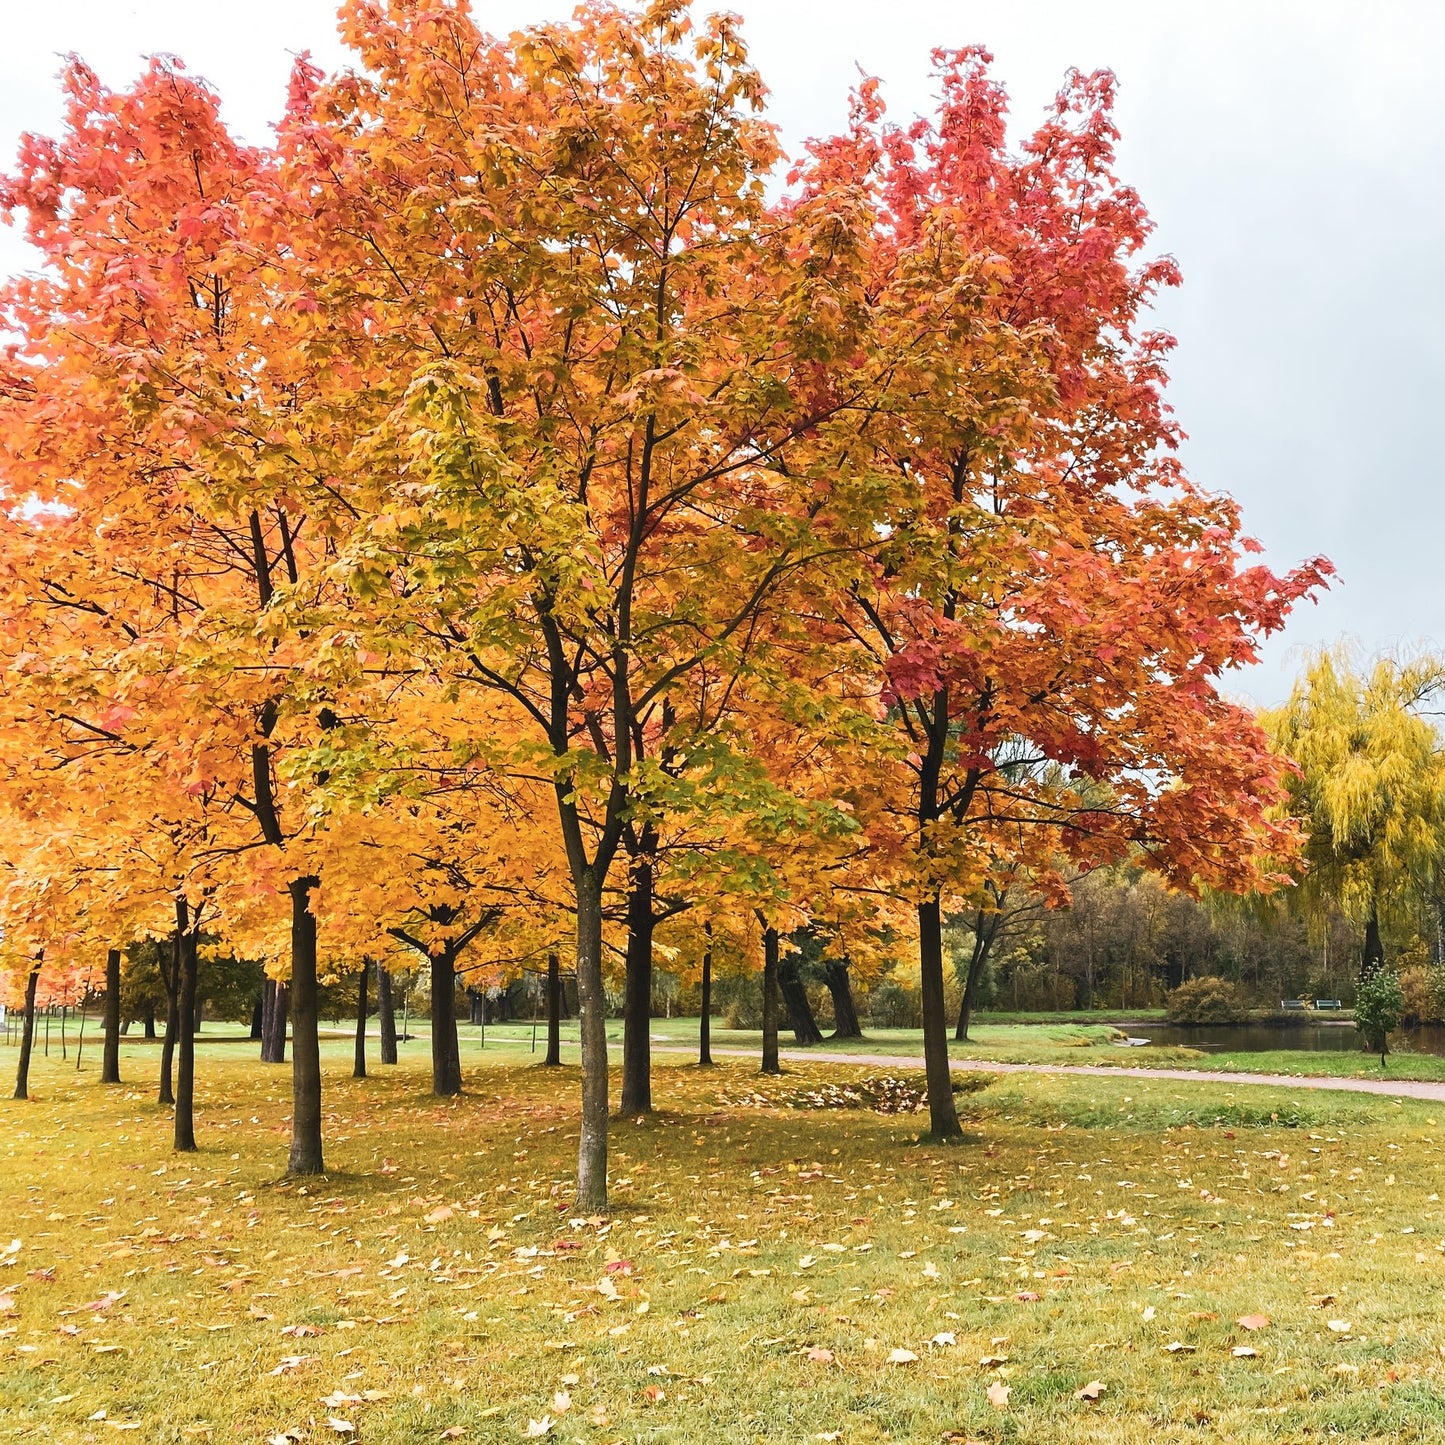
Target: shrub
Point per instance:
(1205, 1001)
(1379, 1003)
(1423, 991)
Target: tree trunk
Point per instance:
(637, 1008)
(110, 1054)
(943, 1117)
(554, 1011)
(358, 1064)
(795, 1000)
(704, 1023)
(171, 980)
(27, 1035)
(446, 1063)
(185, 1125)
(983, 937)
(592, 1025)
(385, 1015)
(770, 1002)
(845, 1011)
(273, 1044)
(258, 1017)
(305, 1157)
(148, 1022)
(1372, 958)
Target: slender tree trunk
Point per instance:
(770, 1002)
(27, 1035)
(845, 1011)
(258, 1018)
(305, 1157)
(148, 1024)
(110, 1054)
(704, 1023)
(446, 1065)
(592, 1025)
(637, 1009)
(982, 941)
(943, 1117)
(358, 1065)
(171, 980)
(385, 1015)
(185, 1125)
(554, 1011)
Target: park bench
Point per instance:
(1294, 1003)
(1332, 1003)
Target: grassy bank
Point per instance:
(771, 1272)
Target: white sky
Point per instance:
(1291, 152)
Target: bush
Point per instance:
(1379, 1003)
(1423, 991)
(1205, 1001)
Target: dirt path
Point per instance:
(1393, 1088)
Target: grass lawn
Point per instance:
(770, 1272)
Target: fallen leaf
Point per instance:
(1091, 1391)
(944, 1338)
(820, 1356)
(1243, 1352)
(1340, 1327)
(454, 1432)
(342, 1427)
(1178, 1347)
(1252, 1322)
(998, 1394)
(901, 1357)
(538, 1427)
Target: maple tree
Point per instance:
(1054, 601)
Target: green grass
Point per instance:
(439, 1279)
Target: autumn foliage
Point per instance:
(486, 523)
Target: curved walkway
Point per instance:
(1393, 1088)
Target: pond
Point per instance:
(1322, 1037)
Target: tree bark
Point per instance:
(305, 1156)
(983, 937)
(148, 1024)
(110, 1054)
(446, 1063)
(27, 1035)
(1372, 957)
(171, 979)
(795, 1000)
(704, 1023)
(770, 1002)
(385, 1015)
(943, 1117)
(592, 1026)
(554, 1011)
(273, 1044)
(358, 1064)
(637, 1008)
(184, 1137)
(845, 1011)
(258, 1017)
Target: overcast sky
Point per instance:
(1292, 154)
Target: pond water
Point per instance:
(1320, 1037)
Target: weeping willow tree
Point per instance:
(1370, 788)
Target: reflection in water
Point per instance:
(1256, 1038)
